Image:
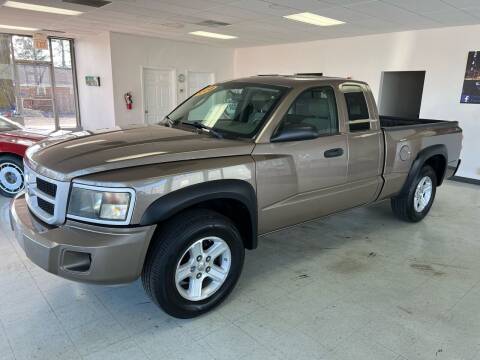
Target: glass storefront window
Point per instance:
(37, 87)
(62, 56)
(35, 96)
(7, 88)
(64, 84)
(23, 49)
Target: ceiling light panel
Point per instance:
(41, 8)
(314, 19)
(213, 35)
(22, 28)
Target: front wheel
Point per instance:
(194, 263)
(416, 204)
(12, 179)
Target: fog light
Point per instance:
(76, 261)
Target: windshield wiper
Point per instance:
(169, 122)
(205, 128)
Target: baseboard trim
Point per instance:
(465, 180)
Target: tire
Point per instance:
(176, 246)
(408, 207)
(12, 179)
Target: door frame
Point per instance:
(187, 76)
(173, 74)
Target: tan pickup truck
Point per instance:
(178, 203)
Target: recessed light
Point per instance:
(23, 28)
(212, 35)
(314, 19)
(41, 8)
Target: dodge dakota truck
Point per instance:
(177, 203)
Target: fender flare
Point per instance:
(178, 200)
(418, 163)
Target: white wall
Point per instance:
(441, 52)
(129, 53)
(96, 103)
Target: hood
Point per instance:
(22, 138)
(25, 134)
(78, 154)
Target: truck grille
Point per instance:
(46, 198)
(49, 208)
(46, 187)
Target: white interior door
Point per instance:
(198, 80)
(159, 94)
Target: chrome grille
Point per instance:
(46, 198)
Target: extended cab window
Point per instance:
(235, 110)
(358, 116)
(316, 108)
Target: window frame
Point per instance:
(50, 64)
(347, 114)
(337, 110)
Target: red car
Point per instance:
(14, 140)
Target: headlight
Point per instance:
(101, 205)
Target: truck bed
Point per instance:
(414, 135)
(392, 122)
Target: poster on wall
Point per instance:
(471, 82)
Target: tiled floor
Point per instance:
(360, 285)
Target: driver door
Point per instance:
(302, 180)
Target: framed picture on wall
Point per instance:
(471, 82)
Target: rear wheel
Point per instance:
(416, 204)
(194, 263)
(12, 178)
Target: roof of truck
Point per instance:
(292, 80)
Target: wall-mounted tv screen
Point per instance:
(471, 83)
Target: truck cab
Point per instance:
(338, 167)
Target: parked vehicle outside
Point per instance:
(178, 203)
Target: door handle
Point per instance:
(333, 153)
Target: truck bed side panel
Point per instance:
(403, 144)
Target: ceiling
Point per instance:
(254, 22)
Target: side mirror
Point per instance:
(296, 133)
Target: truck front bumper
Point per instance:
(81, 252)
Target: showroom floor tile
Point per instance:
(358, 285)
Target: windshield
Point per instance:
(234, 109)
(7, 125)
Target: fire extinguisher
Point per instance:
(128, 100)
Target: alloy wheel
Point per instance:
(423, 194)
(203, 268)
